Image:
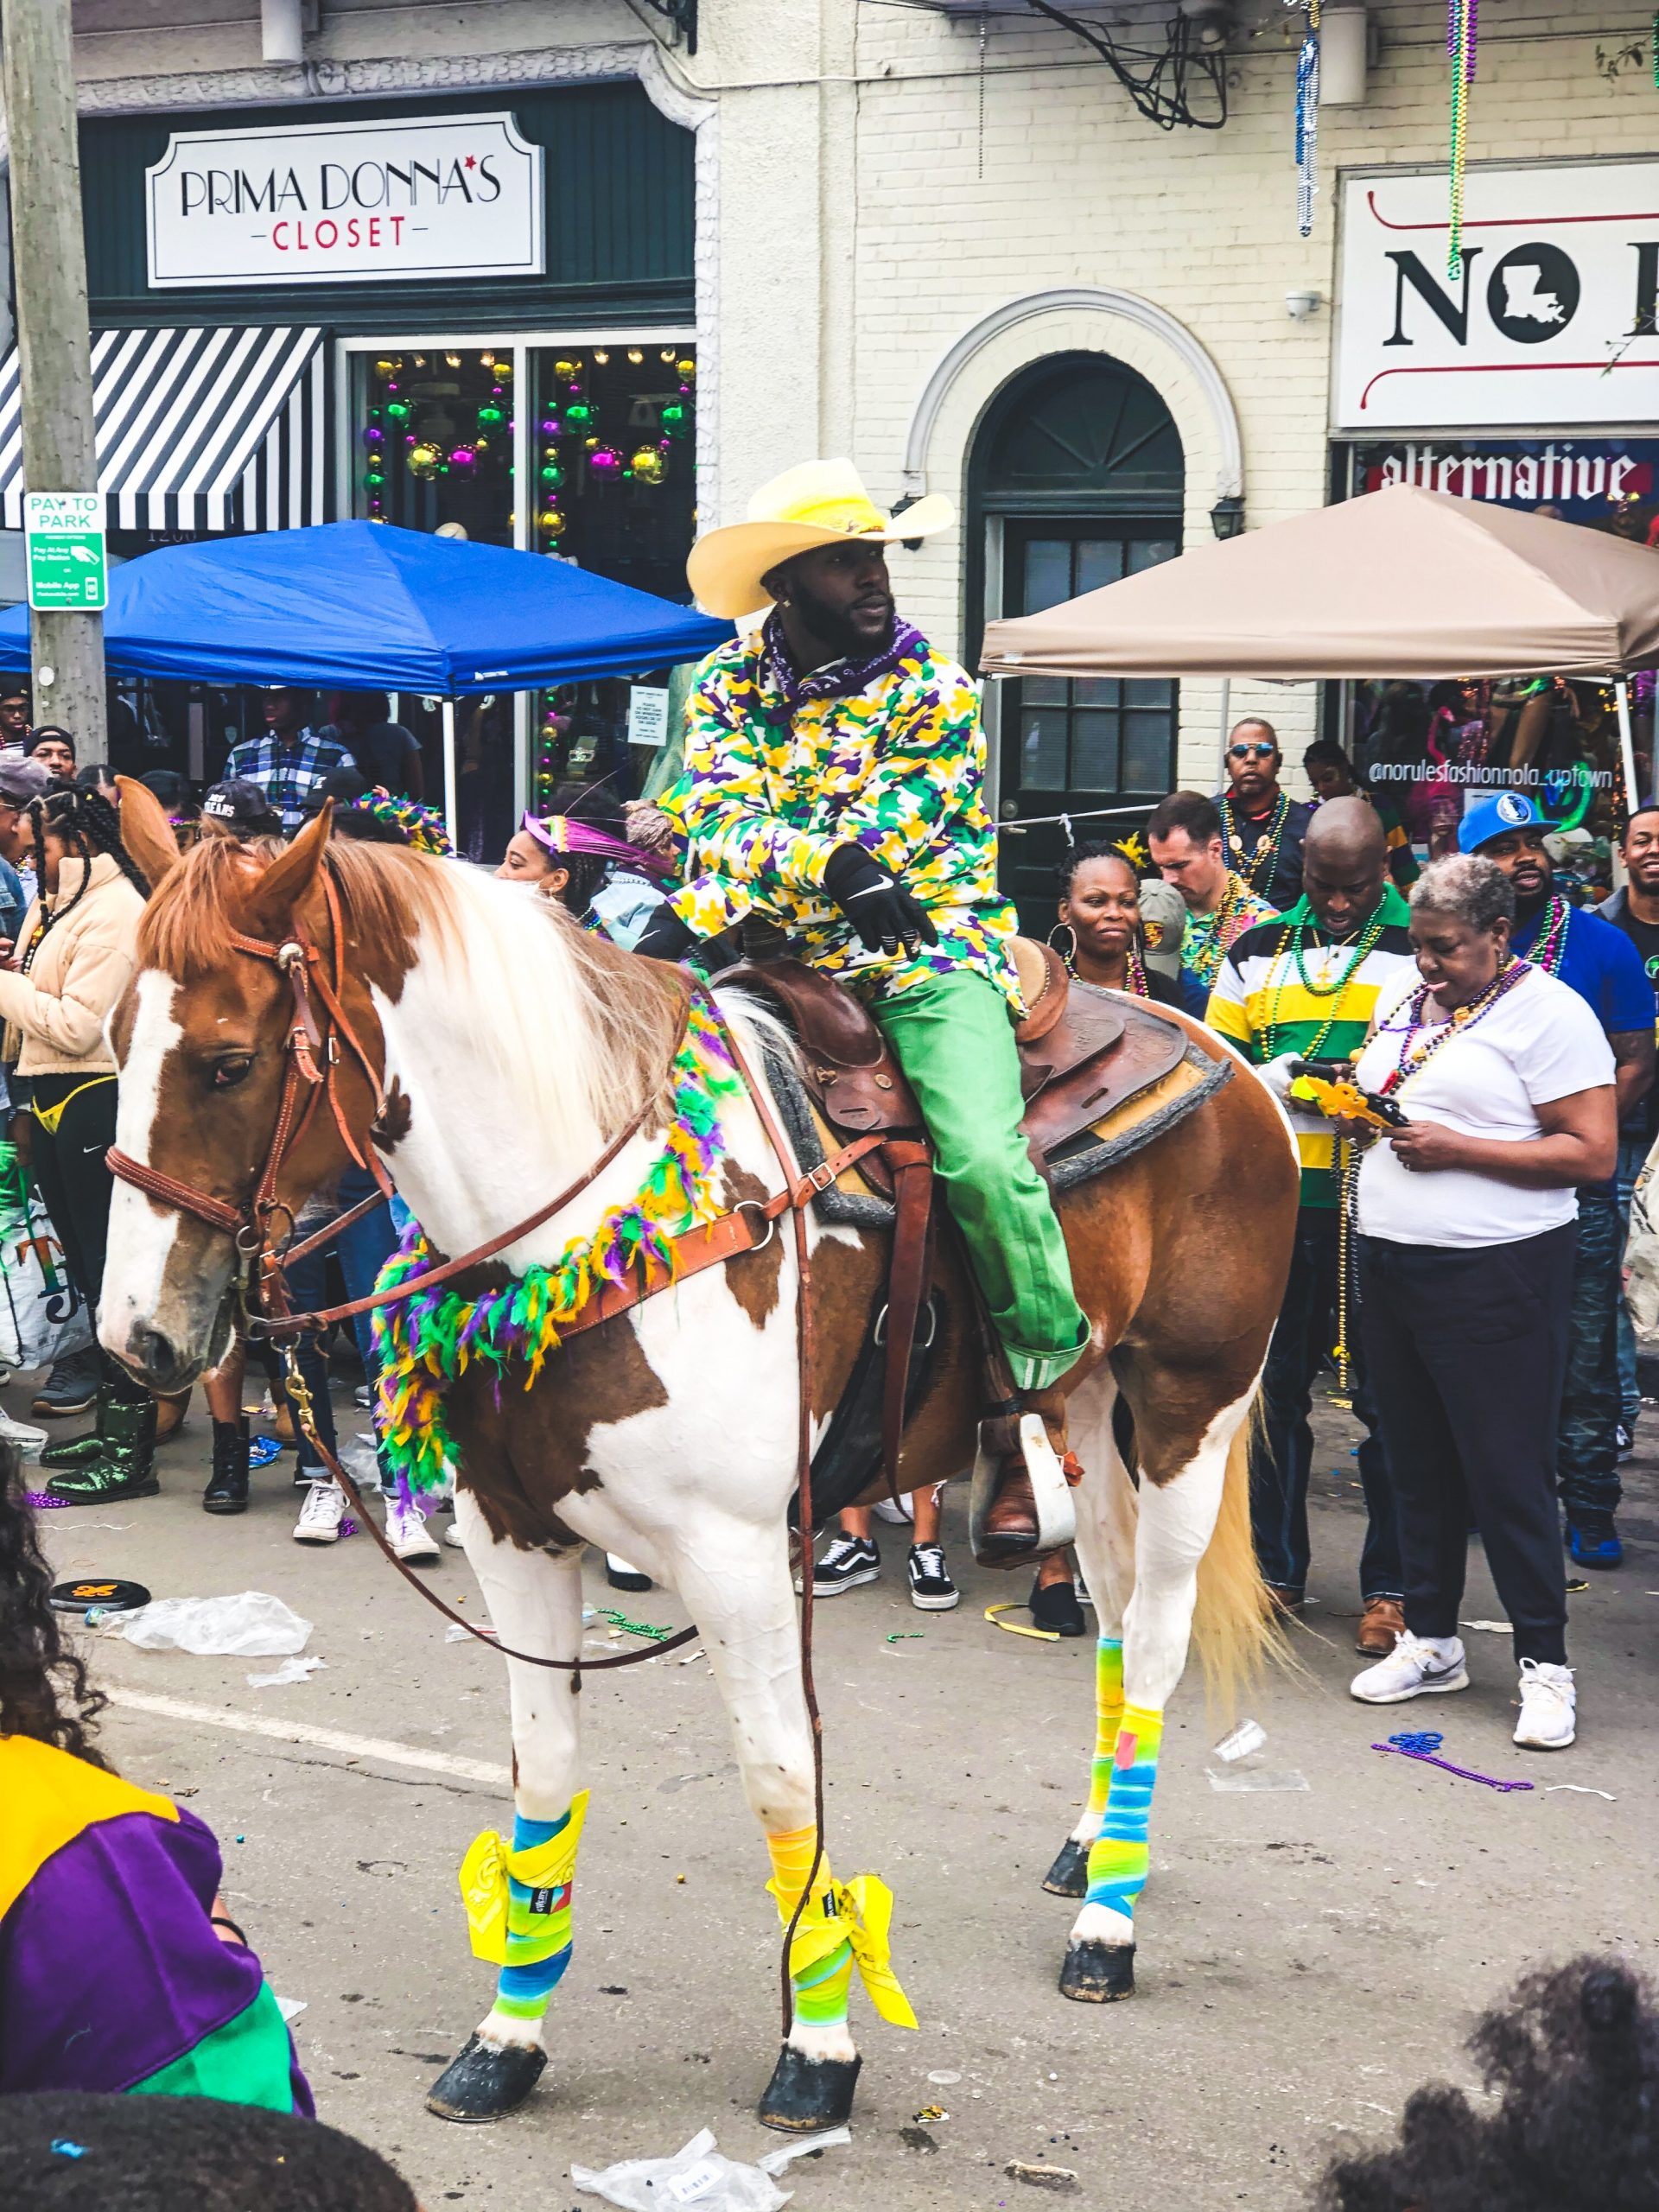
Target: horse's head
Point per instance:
(205, 1037)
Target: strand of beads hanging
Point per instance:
(1550, 944)
(1307, 122)
(1413, 1057)
(1461, 52)
(427, 1341)
(1210, 938)
(1291, 951)
(1257, 867)
(1136, 982)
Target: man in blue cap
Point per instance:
(1601, 963)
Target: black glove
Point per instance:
(882, 911)
(664, 935)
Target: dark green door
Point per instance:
(1077, 480)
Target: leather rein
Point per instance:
(312, 1048)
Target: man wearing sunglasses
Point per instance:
(1262, 830)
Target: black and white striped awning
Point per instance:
(197, 429)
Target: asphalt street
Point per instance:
(1306, 1957)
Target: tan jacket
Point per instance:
(54, 1015)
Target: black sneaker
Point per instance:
(71, 1389)
(931, 1590)
(1054, 1606)
(848, 1562)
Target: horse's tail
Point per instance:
(1233, 1624)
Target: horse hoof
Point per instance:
(1069, 1876)
(1099, 1973)
(486, 2081)
(806, 2093)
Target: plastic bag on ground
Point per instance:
(291, 1670)
(701, 2177)
(253, 1625)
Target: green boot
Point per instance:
(80, 1451)
(124, 1468)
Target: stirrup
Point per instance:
(1056, 1512)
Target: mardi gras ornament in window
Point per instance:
(424, 459)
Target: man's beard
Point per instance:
(839, 631)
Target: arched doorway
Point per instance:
(1076, 478)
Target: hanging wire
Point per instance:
(1158, 82)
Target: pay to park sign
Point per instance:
(64, 533)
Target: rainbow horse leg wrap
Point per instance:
(517, 1906)
(1118, 1857)
(1108, 1719)
(842, 1925)
(820, 1970)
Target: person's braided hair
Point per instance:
(44, 1692)
(89, 825)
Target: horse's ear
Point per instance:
(146, 832)
(282, 889)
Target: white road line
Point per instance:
(301, 1732)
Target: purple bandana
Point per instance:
(838, 679)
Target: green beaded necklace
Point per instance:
(1292, 941)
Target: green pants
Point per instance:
(954, 1041)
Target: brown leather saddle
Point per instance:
(1084, 1054)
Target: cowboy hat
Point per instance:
(818, 504)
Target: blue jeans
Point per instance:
(1279, 1476)
(362, 1251)
(1632, 1158)
(1586, 1442)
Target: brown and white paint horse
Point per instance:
(512, 1046)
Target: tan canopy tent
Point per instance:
(1400, 582)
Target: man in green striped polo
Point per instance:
(1305, 985)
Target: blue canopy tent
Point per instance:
(360, 606)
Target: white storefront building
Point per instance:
(940, 237)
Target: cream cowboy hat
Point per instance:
(818, 504)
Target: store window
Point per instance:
(1434, 748)
(606, 436)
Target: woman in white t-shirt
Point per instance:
(1467, 1222)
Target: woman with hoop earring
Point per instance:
(1100, 934)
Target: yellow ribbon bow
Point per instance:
(489, 1865)
(861, 1917)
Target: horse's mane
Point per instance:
(561, 1011)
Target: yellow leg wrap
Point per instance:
(844, 1924)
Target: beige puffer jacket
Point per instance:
(54, 1015)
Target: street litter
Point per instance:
(930, 2114)
(700, 2175)
(1492, 1628)
(1248, 1736)
(291, 1670)
(946, 2077)
(1581, 1790)
(1061, 2179)
(1240, 1751)
(262, 1450)
(43, 1502)
(251, 1625)
(1016, 1628)
(291, 2007)
(1423, 1744)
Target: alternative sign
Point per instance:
(338, 203)
(64, 534)
(1547, 321)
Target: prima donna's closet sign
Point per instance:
(452, 195)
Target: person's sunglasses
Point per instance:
(1243, 752)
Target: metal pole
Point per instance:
(54, 342)
(451, 809)
(1221, 739)
(1626, 743)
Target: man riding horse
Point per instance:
(834, 787)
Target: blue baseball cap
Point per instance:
(1495, 817)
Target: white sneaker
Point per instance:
(1548, 1707)
(320, 1515)
(406, 1532)
(452, 1536)
(1417, 1664)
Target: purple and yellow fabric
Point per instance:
(111, 1978)
(889, 754)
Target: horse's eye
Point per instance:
(228, 1073)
